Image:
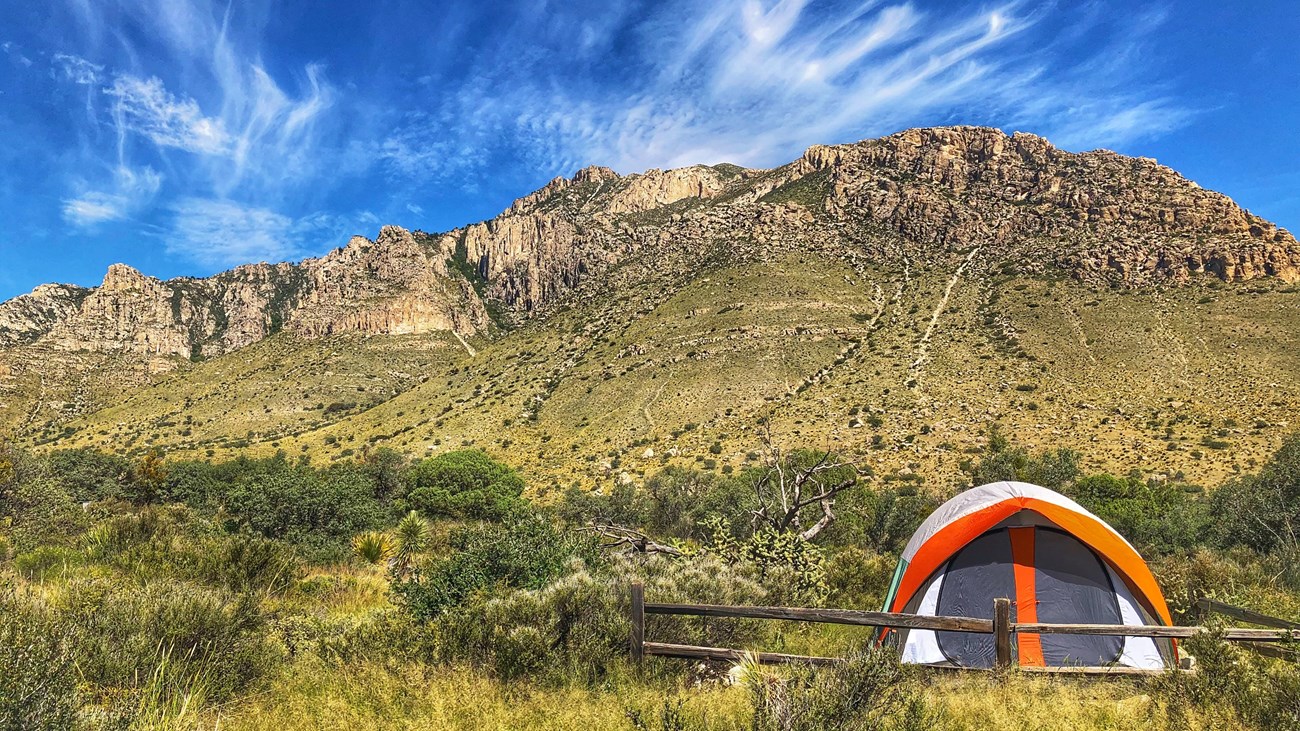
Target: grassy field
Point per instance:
(389, 594)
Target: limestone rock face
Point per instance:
(393, 285)
(27, 317)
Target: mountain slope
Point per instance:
(890, 298)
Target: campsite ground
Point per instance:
(273, 594)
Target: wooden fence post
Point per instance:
(638, 623)
(1002, 631)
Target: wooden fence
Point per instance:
(1001, 627)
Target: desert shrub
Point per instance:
(705, 579)
(38, 681)
(883, 519)
(244, 562)
(1158, 517)
(870, 691)
(490, 557)
(572, 629)
(1052, 469)
(385, 468)
(1262, 510)
(198, 484)
(41, 512)
(858, 578)
(464, 484)
(1231, 684)
(674, 503)
(203, 636)
(89, 474)
(1236, 577)
(575, 627)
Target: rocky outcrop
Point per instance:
(27, 317)
(393, 285)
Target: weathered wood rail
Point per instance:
(1001, 627)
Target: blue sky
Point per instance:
(184, 137)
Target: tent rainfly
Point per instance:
(1055, 561)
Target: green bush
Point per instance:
(575, 627)
(1053, 469)
(858, 578)
(883, 519)
(88, 474)
(1262, 510)
(41, 513)
(1231, 685)
(244, 562)
(1158, 517)
(318, 511)
(490, 557)
(464, 484)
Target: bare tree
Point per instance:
(618, 535)
(787, 488)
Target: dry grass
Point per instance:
(312, 695)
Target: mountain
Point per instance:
(890, 298)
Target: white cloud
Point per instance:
(130, 190)
(248, 134)
(78, 70)
(756, 82)
(223, 233)
(144, 106)
(92, 208)
(220, 233)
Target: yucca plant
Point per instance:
(374, 546)
(413, 537)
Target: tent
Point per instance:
(1055, 561)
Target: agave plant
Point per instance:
(413, 536)
(374, 546)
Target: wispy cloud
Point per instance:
(754, 82)
(129, 190)
(222, 233)
(143, 106)
(77, 69)
(14, 52)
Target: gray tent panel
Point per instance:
(979, 573)
(1073, 587)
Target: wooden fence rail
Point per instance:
(1001, 627)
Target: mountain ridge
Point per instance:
(538, 250)
(891, 297)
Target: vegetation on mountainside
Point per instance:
(602, 392)
(251, 593)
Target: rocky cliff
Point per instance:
(920, 195)
(392, 285)
(1100, 216)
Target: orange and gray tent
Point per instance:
(1055, 561)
